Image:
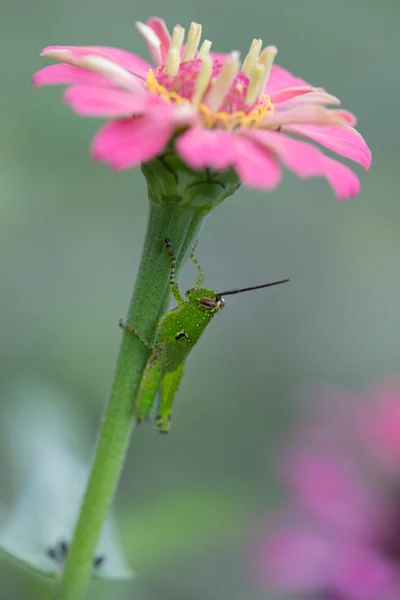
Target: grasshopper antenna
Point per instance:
(249, 289)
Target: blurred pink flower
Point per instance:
(380, 431)
(217, 113)
(340, 536)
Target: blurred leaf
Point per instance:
(44, 515)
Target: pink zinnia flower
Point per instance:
(213, 111)
(340, 535)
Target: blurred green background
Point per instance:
(71, 234)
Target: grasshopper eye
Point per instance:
(208, 303)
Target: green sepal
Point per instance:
(171, 181)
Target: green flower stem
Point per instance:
(149, 302)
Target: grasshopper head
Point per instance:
(209, 300)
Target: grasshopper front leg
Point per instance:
(135, 332)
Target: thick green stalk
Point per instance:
(149, 302)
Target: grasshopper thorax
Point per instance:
(205, 299)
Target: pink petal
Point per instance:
(379, 425)
(328, 489)
(182, 114)
(160, 29)
(91, 101)
(294, 560)
(64, 74)
(305, 562)
(361, 573)
(201, 148)
(255, 166)
(309, 114)
(342, 179)
(310, 97)
(343, 140)
(132, 63)
(152, 41)
(348, 116)
(307, 161)
(280, 79)
(126, 143)
(289, 93)
(219, 150)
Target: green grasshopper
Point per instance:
(177, 332)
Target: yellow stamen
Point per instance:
(267, 58)
(174, 53)
(256, 79)
(223, 82)
(209, 118)
(158, 89)
(202, 81)
(204, 49)
(193, 41)
(173, 62)
(237, 119)
(252, 57)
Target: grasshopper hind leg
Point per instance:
(169, 386)
(163, 422)
(151, 381)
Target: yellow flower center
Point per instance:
(247, 116)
